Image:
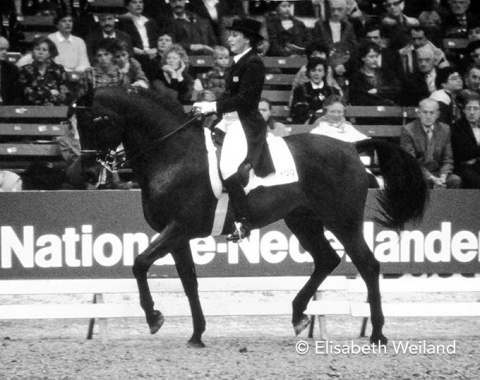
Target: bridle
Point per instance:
(108, 160)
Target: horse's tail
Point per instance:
(406, 192)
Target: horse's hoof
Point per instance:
(196, 343)
(378, 340)
(302, 325)
(155, 322)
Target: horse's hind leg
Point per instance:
(369, 268)
(309, 230)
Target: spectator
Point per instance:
(287, 34)
(396, 24)
(213, 11)
(308, 97)
(419, 85)
(333, 124)
(69, 143)
(72, 51)
(450, 83)
(472, 80)
(474, 33)
(164, 42)
(314, 49)
(472, 56)
(107, 22)
(172, 78)
(466, 143)
(274, 127)
(105, 73)
(431, 21)
(211, 85)
(388, 57)
(336, 29)
(44, 82)
(193, 32)
(129, 66)
(428, 140)
(458, 19)
(144, 34)
(372, 85)
(408, 53)
(8, 76)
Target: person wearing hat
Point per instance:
(244, 146)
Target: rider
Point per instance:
(244, 146)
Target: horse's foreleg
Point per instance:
(188, 276)
(156, 250)
(308, 229)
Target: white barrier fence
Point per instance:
(20, 308)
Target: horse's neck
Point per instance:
(152, 153)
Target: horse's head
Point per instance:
(100, 124)
(134, 117)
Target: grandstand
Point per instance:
(28, 133)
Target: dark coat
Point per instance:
(244, 85)
(465, 149)
(195, 31)
(389, 89)
(9, 83)
(322, 32)
(413, 140)
(126, 25)
(451, 28)
(307, 101)
(297, 35)
(414, 89)
(464, 144)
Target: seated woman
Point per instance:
(105, 73)
(172, 78)
(308, 97)
(373, 85)
(333, 124)
(44, 82)
(129, 66)
(288, 35)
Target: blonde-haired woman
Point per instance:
(172, 78)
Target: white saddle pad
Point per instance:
(285, 169)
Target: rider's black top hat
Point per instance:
(249, 27)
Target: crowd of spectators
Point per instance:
(378, 52)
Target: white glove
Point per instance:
(205, 107)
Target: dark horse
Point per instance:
(169, 158)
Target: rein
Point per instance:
(109, 161)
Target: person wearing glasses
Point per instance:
(450, 84)
(396, 24)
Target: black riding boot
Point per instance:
(237, 195)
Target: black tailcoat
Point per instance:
(244, 85)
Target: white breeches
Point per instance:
(235, 146)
